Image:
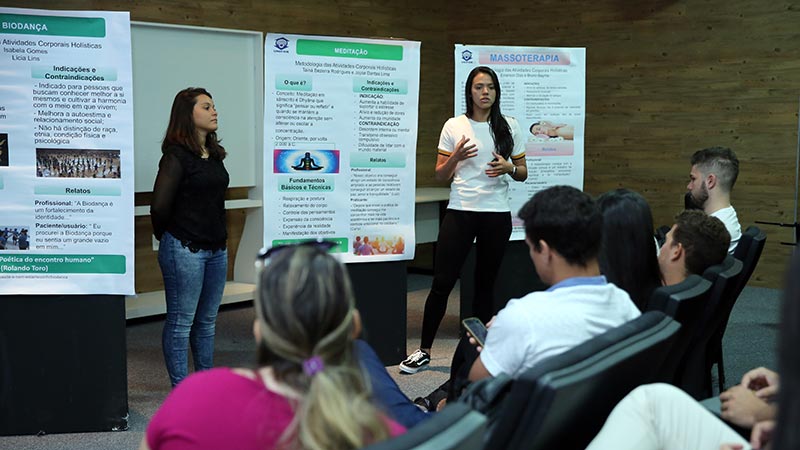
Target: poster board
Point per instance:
(340, 120)
(66, 175)
(544, 88)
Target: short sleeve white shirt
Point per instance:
(472, 189)
(731, 220)
(547, 323)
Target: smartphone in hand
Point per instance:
(476, 328)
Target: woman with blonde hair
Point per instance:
(308, 391)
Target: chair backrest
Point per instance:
(564, 401)
(743, 246)
(684, 302)
(748, 251)
(694, 376)
(456, 427)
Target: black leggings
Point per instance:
(491, 231)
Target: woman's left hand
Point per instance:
(499, 166)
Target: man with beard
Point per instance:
(714, 172)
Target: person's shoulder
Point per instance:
(605, 289)
(619, 300)
(177, 151)
(174, 148)
(618, 294)
(727, 211)
(206, 380)
(512, 121)
(216, 373)
(457, 121)
(516, 308)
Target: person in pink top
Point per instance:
(308, 391)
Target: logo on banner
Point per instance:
(281, 45)
(466, 56)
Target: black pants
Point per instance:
(463, 359)
(490, 231)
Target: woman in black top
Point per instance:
(188, 216)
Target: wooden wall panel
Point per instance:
(664, 78)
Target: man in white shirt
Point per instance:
(714, 172)
(563, 228)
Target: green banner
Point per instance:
(385, 160)
(24, 264)
(341, 243)
(298, 183)
(313, 47)
(94, 27)
(380, 85)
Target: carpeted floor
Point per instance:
(749, 342)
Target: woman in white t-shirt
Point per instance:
(476, 151)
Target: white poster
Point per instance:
(545, 90)
(340, 140)
(66, 140)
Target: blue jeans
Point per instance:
(194, 283)
(385, 391)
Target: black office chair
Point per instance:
(564, 401)
(684, 302)
(694, 375)
(748, 251)
(456, 427)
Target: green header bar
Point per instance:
(293, 83)
(380, 85)
(359, 50)
(93, 27)
(341, 243)
(21, 263)
(319, 184)
(73, 73)
(49, 189)
(392, 160)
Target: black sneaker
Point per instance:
(423, 404)
(415, 361)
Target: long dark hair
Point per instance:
(628, 251)
(501, 131)
(787, 435)
(181, 130)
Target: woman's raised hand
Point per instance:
(464, 150)
(499, 166)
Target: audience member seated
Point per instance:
(714, 172)
(563, 229)
(628, 252)
(307, 392)
(694, 243)
(663, 417)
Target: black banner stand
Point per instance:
(63, 366)
(517, 278)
